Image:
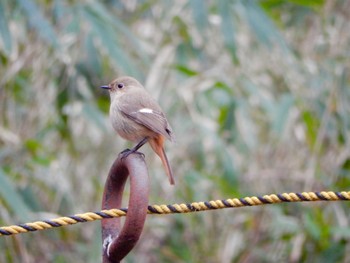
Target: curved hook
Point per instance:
(117, 243)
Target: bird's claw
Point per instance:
(125, 153)
(142, 154)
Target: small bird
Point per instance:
(137, 117)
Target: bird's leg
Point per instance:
(140, 144)
(126, 152)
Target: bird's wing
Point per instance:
(150, 116)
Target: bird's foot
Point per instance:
(127, 152)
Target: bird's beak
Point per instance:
(105, 87)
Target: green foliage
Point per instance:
(257, 93)
(12, 199)
(4, 30)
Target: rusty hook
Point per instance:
(117, 242)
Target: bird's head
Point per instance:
(121, 85)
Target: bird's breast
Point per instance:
(127, 127)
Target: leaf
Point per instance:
(228, 27)
(336, 252)
(33, 145)
(183, 54)
(312, 124)
(200, 13)
(279, 112)
(262, 26)
(245, 125)
(227, 119)
(59, 10)
(93, 60)
(228, 165)
(4, 30)
(12, 198)
(109, 40)
(182, 29)
(94, 115)
(309, 3)
(185, 70)
(38, 21)
(311, 227)
(100, 11)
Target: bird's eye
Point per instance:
(120, 85)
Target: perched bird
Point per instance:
(137, 117)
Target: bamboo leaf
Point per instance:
(12, 198)
(185, 70)
(4, 30)
(38, 21)
(100, 11)
(262, 26)
(228, 27)
(94, 115)
(280, 115)
(200, 13)
(110, 42)
(309, 3)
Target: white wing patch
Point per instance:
(145, 110)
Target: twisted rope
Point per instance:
(178, 208)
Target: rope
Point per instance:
(178, 208)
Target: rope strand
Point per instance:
(178, 208)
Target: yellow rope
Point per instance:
(178, 208)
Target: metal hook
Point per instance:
(117, 242)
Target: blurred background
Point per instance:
(257, 93)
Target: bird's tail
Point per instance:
(157, 146)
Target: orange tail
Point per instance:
(157, 146)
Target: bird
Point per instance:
(136, 116)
